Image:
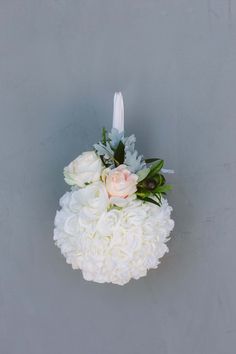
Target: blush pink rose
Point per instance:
(120, 182)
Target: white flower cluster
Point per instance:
(109, 243)
(115, 222)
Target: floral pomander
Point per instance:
(115, 221)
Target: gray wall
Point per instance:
(60, 63)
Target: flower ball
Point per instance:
(111, 242)
(115, 221)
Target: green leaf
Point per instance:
(160, 179)
(151, 160)
(158, 196)
(104, 136)
(150, 200)
(163, 189)
(142, 174)
(119, 154)
(142, 193)
(155, 168)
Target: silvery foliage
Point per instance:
(132, 160)
(115, 137)
(103, 149)
(106, 151)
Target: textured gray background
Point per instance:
(60, 63)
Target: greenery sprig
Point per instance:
(114, 149)
(151, 184)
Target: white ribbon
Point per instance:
(118, 112)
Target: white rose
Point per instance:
(108, 222)
(90, 202)
(122, 202)
(94, 196)
(86, 168)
